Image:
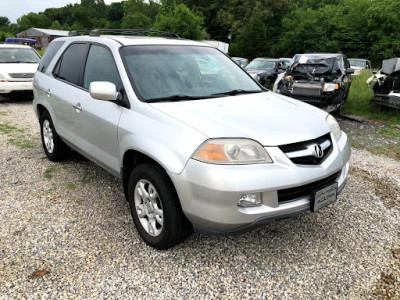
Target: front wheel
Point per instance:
(155, 207)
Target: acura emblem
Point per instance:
(317, 151)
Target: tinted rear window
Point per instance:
(70, 64)
(49, 54)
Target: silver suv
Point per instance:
(197, 143)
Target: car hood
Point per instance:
(6, 69)
(266, 117)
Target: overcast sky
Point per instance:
(14, 9)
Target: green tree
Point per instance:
(56, 25)
(136, 20)
(115, 14)
(35, 20)
(182, 22)
(252, 40)
(4, 22)
(82, 18)
(384, 29)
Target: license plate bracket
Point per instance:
(323, 196)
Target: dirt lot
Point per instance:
(66, 232)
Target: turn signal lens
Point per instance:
(213, 152)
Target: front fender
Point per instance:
(167, 141)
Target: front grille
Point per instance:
(307, 89)
(301, 153)
(305, 190)
(21, 75)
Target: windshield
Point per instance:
(15, 55)
(357, 63)
(261, 65)
(184, 73)
(315, 64)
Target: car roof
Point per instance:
(128, 37)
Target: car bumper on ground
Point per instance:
(8, 87)
(209, 193)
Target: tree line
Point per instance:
(254, 28)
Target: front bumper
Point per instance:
(392, 101)
(8, 87)
(322, 100)
(209, 193)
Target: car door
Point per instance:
(63, 88)
(96, 121)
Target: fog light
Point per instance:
(249, 200)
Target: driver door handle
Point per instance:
(77, 107)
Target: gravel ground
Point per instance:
(66, 232)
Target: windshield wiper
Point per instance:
(238, 92)
(177, 97)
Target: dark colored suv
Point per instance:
(319, 79)
(266, 70)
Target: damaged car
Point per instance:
(387, 86)
(358, 65)
(322, 80)
(266, 70)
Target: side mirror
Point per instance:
(373, 72)
(103, 90)
(349, 71)
(284, 67)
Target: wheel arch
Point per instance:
(131, 159)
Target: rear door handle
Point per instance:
(48, 92)
(77, 107)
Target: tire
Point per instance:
(155, 207)
(54, 147)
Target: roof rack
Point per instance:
(142, 32)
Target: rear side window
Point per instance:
(70, 64)
(49, 54)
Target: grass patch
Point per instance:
(17, 136)
(48, 173)
(5, 128)
(41, 51)
(71, 186)
(22, 142)
(358, 102)
(392, 151)
(3, 113)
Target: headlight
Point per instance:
(329, 87)
(232, 151)
(335, 128)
